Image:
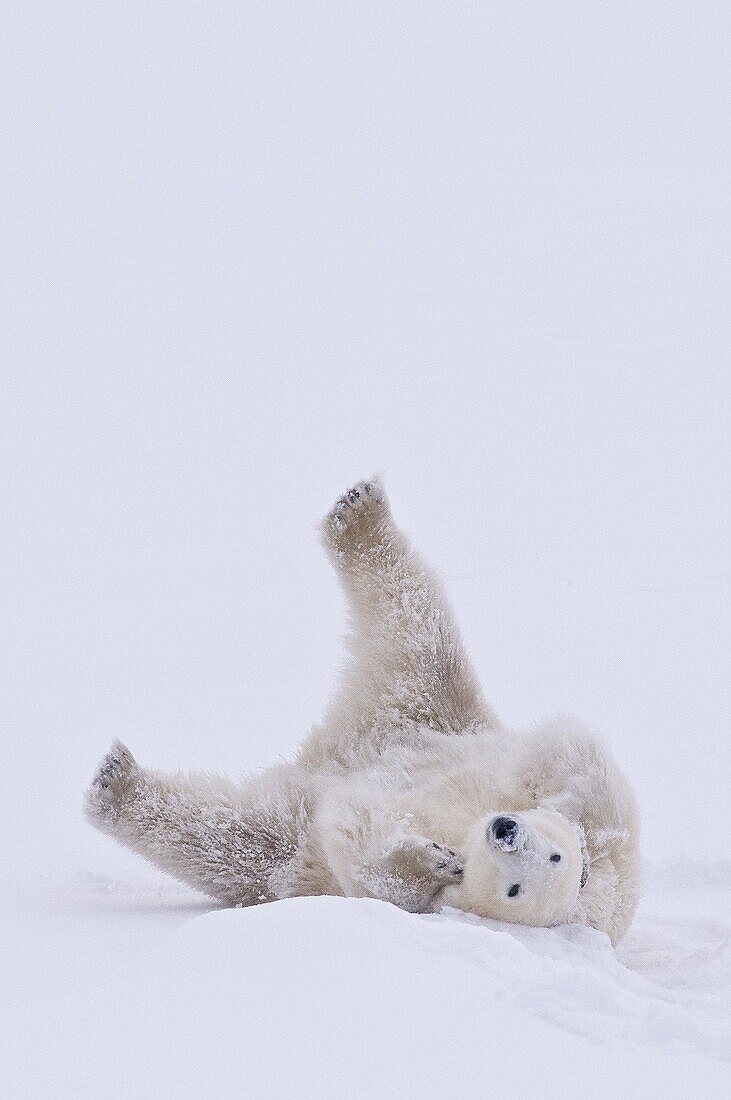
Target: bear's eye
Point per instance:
(555, 858)
(514, 891)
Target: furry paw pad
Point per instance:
(446, 863)
(111, 785)
(362, 497)
(356, 514)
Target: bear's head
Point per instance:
(523, 867)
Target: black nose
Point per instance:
(505, 829)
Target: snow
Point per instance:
(333, 997)
(253, 252)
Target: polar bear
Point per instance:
(411, 790)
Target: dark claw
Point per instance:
(437, 847)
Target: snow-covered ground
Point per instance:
(131, 988)
(252, 252)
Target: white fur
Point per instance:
(393, 795)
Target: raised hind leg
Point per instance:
(408, 664)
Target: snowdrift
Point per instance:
(335, 997)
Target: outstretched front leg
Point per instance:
(408, 664)
(240, 844)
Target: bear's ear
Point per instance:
(584, 854)
(584, 859)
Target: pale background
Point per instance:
(481, 248)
